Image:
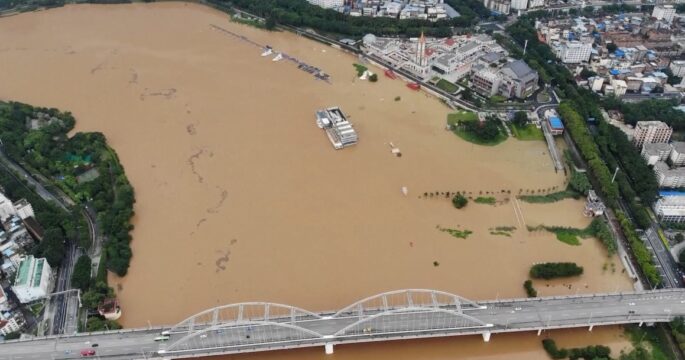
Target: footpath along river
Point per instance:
(240, 197)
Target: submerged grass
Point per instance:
(460, 234)
(489, 200)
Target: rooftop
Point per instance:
(519, 70)
(556, 123)
(24, 271)
(657, 147)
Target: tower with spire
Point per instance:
(421, 51)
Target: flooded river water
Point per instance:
(240, 197)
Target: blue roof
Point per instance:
(556, 123)
(614, 72)
(671, 193)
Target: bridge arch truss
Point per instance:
(248, 312)
(411, 320)
(408, 299)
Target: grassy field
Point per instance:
(528, 132)
(447, 86)
(466, 116)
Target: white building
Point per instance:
(499, 6)
(33, 280)
(328, 4)
(671, 206)
(667, 177)
(664, 12)
(677, 156)
(651, 132)
(10, 325)
(22, 208)
(519, 4)
(536, 3)
(655, 152)
(620, 87)
(677, 67)
(574, 52)
(4, 302)
(597, 83)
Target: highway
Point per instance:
(663, 258)
(358, 324)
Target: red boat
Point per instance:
(389, 73)
(414, 86)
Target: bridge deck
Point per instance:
(377, 325)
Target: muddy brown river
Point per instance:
(240, 197)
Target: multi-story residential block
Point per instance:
(4, 301)
(536, 3)
(664, 12)
(573, 52)
(519, 4)
(328, 4)
(10, 324)
(651, 132)
(620, 87)
(22, 208)
(667, 177)
(677, 67)
(34, 279)
(677, 155)
(498, 6)
(655, 152)
(670, 206)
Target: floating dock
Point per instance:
(338, 129)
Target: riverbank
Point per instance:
(240, 198)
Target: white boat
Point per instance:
(277, 57)
(267, 52)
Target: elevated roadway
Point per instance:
(404, 314)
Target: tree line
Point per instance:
(608, 148)
(301, 13)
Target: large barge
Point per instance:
(338, 129)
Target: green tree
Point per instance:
(270, 23)
(530, 290)
(80, 277)
(13, 336)
(679, 237)
(459, 201)
(373, 78)
(520, 118)
(52, 247)
(96, 323)
(554, 270)
(579, 182)
(95, 295)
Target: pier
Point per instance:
(310, 69)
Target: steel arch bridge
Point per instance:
(269, 326)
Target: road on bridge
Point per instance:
(487, 317)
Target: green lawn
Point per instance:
(454, 118)
(528, 132)
(447, 86)
(465, 116)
